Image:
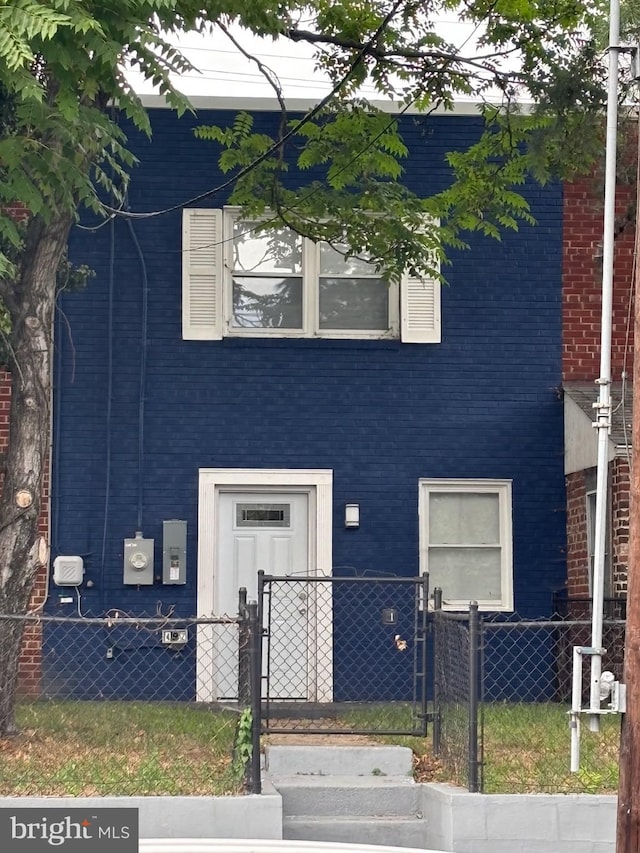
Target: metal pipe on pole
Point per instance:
(603, 406)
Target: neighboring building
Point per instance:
(204, 379)
(582, 305)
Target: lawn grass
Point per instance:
(73, 748)
(526, 747)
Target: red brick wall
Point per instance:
(582, 307)
(577, 556)
(582, 282)
(619, 472)
(30, 665)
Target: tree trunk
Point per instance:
(31, 304)
(628, 829)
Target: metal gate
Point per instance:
(344, 655)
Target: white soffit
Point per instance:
(580, 439)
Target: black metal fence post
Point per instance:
(437, 598)
(244, 655)
(255, 631)
(422, 634)
(474, 671)
(437, 731)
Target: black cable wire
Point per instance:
(306, 196)
(107, 485)
(309, 116)
(143, 370)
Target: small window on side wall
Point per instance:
(466, 542)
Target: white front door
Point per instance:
(259, 530)
(278, 520)
(269, 531)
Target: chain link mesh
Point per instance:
(122, 704)
(527, 678)
(344, 655)
(452, 679)
(525, 697)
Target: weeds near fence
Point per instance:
(72, 748)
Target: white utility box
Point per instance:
(68, 571)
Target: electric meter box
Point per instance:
(138, 561)
(68, 571)
(174, 551)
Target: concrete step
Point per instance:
(396, 832)
(370, 761)
(344, 796)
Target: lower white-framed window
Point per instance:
(238, 281)
(466, 541)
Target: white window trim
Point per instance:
(414, 303)
(318, 482)
(310, 275)
(503, 489)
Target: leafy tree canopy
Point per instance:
(61, 84)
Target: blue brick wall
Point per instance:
(483, 403)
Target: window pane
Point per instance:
(354, 303)
(278, 250)
(464, 518)
(333, 262)
(267, 303)
(466, 574)
(263, 515)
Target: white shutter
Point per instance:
(420, 310)
(202, 274)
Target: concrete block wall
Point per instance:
(522, 823)
(182, 817)
(452, 819)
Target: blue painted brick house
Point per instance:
(200, 380)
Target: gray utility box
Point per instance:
(138, 561)
(174, 551)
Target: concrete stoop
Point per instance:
(346, 793)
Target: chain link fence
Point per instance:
(123, 704)
(455, 695)
(513, 735)
(526, 693)
(344, 655)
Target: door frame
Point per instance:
(318, 484)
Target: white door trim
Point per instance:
(319, 484)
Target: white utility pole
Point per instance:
(603, 406)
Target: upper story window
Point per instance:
(466, 541)
(238, 281)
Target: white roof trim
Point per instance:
(257, 104)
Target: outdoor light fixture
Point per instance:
(352, 515)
